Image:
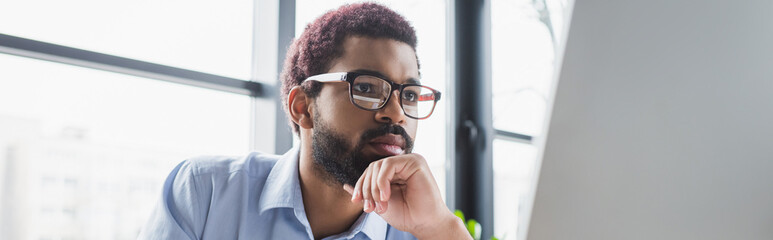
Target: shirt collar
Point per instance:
(370, 224)
(283, 189)
(373, 225)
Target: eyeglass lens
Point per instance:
(371, 93)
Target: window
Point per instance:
(431, 50)
(525, 34)
(85, 151)
(514, 163)
(201, 35)
(84, 147)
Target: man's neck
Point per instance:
(328, 207)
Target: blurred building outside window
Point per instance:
(84, 152)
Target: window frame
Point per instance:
(280, 14)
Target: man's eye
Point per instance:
(410, 96)
(363, 87)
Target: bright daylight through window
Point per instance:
(207, 36)
(75, 155)
(525, 34)
(84, 152)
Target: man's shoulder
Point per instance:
(205, 188)
(255, 164)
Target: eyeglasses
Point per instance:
(371, 93)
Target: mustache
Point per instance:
(388, 129)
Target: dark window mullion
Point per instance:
(57, 53)
(513, 136)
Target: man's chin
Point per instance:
(370, 157)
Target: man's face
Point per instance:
(345, 138)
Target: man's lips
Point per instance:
(388, 145)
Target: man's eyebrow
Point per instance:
(372, 73)
(413, 81)
(381, 75)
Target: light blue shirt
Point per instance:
(254, 197)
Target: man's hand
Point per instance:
(401, 190)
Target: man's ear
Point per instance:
(299, 105)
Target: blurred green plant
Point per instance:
(472, 226)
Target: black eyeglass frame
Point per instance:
(350, 76)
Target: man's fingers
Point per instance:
(374, 188)
(367, 205)
(357, 196)
(384, 177)
(349, 189)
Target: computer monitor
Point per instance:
(661, 125)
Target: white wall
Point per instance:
(662, 124)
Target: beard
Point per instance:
(340, 163)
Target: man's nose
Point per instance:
(391, 112)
